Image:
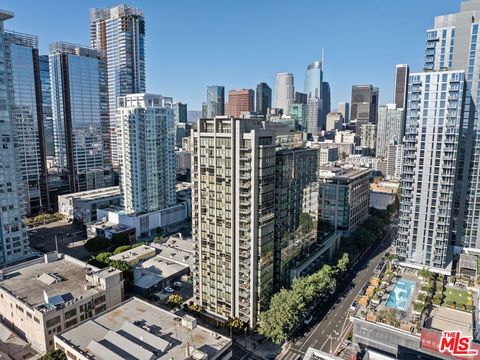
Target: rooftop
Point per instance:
(135, 254)
(154, 270)
(93, 194)
(137, 329)
(62, 278)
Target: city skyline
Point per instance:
(341, 68)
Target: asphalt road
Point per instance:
(330, 332)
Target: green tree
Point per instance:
(54, 355)
(305, 223)
(174, 301)
(342, 265)
(236, 324)
(121, 249)
(97, 244)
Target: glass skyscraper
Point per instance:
(13, 232)
(120, 33)
(21, 53)
(80, 115)
(313, 89)
(47, 106)
(215, 101)
(263, 98)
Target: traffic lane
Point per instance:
(338, 310)
(343, 312)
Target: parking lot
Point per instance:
(69, 239)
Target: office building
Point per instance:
(241, 100)
(401, 86)
(395, 161)
(119, 32)
(53, 293)
(80, 115)
(136, 329)
(263, 99)
(343, 196)
(298, 112)
(326, 103)
(215, 105)
(313, 89)
(180, 113)
(368, 138)
(22, 59)
(327, 152)
(284, 91)
(390, 127)
(364, 105)
(335, 121)
(296, 197)
(344, 108)
(47, 108)
(233, 176)
(146, 152)
(430, 168)
(82, 207)
(13, 234)
(300, 98)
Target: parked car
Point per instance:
(169, 290)
(308, 320)
(177, 284)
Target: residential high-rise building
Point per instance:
(233, 176)
(368, 138)
(180, 113)
(47, 107)
(204, 109)
(364, 105)
(215, 101)
(146, 139)
(80, 115)
(335, 121)
(344, 108)
(344, 196)
(284, 91)
(241, 100)
(119, 32)
(13, 234)
(263, 99)
(435, 118)
(390, 128)
(395, 161)
(313, 89)
(453, 44)
(296, 197)
(401, 86)
(22, 59)
(300, 98)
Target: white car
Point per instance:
(178, 284)
(169, 290)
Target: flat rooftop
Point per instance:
(96, 194)
(138, 252)
(137, 329)
(446, 319)
(334, 172)
(178, 250)
(63, 277)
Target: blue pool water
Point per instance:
(400, 296)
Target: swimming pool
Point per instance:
(400, 296)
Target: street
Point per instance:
(331, 331)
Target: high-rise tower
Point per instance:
(284, 91)
(119, 32)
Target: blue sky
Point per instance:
(195, 43)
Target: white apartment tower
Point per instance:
(389, 128)
(119, 32)
(233, 206)
(146, 143)
(13, 232)
(434, 122)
